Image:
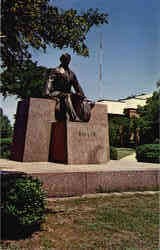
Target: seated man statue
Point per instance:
(69, 105)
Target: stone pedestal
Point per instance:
(32, 130)
(39, 137)
(81, 142)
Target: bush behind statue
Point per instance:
(5, 147)
(148, 153)
(113, 153)
(22, 202)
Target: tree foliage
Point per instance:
(149, 119)
(38, 23)
(119, 131)
(5, 126)
(27, 81)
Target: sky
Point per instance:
(130, 53)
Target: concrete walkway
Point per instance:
(131, 157)
(128, 163)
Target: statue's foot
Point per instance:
(92, 105)
(72, 116)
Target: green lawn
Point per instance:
(102, 223)
(123, 152)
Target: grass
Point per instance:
(114, 223)
(123, 152)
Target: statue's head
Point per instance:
(65, 59)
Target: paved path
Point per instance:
(131, 157)
(126, 163)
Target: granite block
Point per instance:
(62, 184)
(82, 142)
(79, 183)
(120, 180)
(32, 131)
(20, 131)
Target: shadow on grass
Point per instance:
(11, 230)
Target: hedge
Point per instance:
(148, 153)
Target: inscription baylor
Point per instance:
(84, 132)
(87, 143)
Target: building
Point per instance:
(122, 108)
(129, 105)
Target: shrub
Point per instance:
(22, 202)
(5, 147)
(148, 153)
(113, 153)
(157, 141)
(132, 144)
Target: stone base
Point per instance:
(32, 130)
(67, 184)
(38, 137)
(81, 142)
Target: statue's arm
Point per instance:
(48, 87)
(78, 89)
(49, 84)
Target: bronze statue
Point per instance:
(69, 105)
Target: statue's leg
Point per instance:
(69, 108)
(60, 110)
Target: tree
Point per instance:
(5, 126)
(119, 131)
(27, 81)
(5, 135)
(158, 83)
(37, 23)
(150, 119)
(134, 126)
